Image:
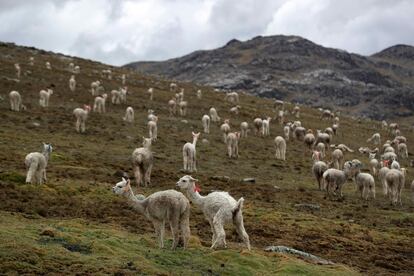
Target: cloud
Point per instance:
(120, 31)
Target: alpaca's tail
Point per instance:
(238, 207)
(31, 164)
(348, 149)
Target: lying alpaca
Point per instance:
(142, 161)
(160, 207)
(219, 208)
(36, 163)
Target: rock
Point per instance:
(205, 141)
(220, 178)
(308, 206)
(184, 121)
(121, 174)
(35, 124)
(249, 179)
(276, 187)
(285, 249)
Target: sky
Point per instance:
(121, 31)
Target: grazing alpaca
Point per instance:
(81, 117)
(72, 83)
(232, 142)
(189, 154)
(99, 104)
(206, 123)
(280, 145)
(219, 209)
(129, 115)
(160, 207)
(36, 163)
(44, 97)
(16, 101)
(153, 128)
(142, 162)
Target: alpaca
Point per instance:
(309, 139)
(44, 97)
(373, 164)
(99, 104)
(189, 154)
(16, 101)
(395, 180)
(123, 80)
(214, 116)
(402, 150)
(173, 87)
(206, 123)
(219, 209)
(232, 142)
(225, 129)
(266, 127)
(116, 97)
(36, 163)
(151, 93)
(199, 94)
(280, 145)
(31, 61)
(81, 115)
(94, 87)
(183, 108)
(296, 111)
(320, 147)
(142, 162)
(375, 139)
(318, 169)
(165, 206)
(381, 177)
(365, 183)
(232, 97)
(123, 91)
(244, 128)
(337, 158)
(72, 83)
(48, 66)
(281, 117)
(235, 109)
(153, 129)
(335, 179)
(286, 132)
(172, 107)
(129, 115)
(258, 125)
(18, 70)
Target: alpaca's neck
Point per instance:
(135, 203)
(195, 197)
(46, 154)
(194, 142)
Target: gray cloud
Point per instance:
(120, 31)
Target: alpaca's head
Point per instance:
(187, 182)
(146, 142)
(195, 135)
(87, 107)
(122, 187)
(47, 148)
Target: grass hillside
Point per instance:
(74, 224)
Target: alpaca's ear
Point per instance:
(128, 182)
(193, 179)
(123, 180)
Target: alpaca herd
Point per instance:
(329, 165)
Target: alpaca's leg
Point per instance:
(238, 223)
(83, 126)
(30, 172)
(142, 176)
(159, 229)
(174, 225)
(185, 229)
(44, 175)
(219, 229)
(137, 175)
(39, 176)
(148, 175)
(213, 239)
(77, 125)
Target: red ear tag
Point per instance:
(196, 189)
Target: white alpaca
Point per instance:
(99, 104)
(232, 142)
(232, 97)
(280, 145)
(116, 97)
(365, 183)
(244, 128)
(189, 154)
(296, 111)
(281, 117)
(81, 115)
(205, 120)
(44, 97)
(375, 139)
(219, 209)
(286, 132)
(337, 158)
(18, 70)
(151, 93)
(402, 150)
(318, 169)
(142, 162)
(266, 127)
(36, 163)
(129, 115)
(381, 177)
(72, 83)
(199, 94)
(94, 87)
(309, 139)
(123, 80)
(16, 101)
(320, 147)
(48, 66)
(225, 129)
(395, 180)
(153, 129)
(213, 114)
(71, 67)
(172, 107)
(183, 108)
(335, 179)
(258, 125)
(173, 87)
(31, 61)
(373, 164)
(123, 91)
(151, 116)
(162, 207)
(235, 110)
(77, 69)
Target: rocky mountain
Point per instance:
(296, 69)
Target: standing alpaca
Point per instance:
(205, 120)
(335, 179)
(199, 94)
(44, 97)
(189, 154)
(72, 83)
(81, 115)
(365, 182)
(258, 125)
(219, 209)
(395, 180)
(172, 106)
(123, 91)
(402, 150)
(36, 163)
(18, 70)
(16, 101)
(129, 115)
(31, 61)
(318, 169)
(337, 158)
(48, 66)
(373, 164)
(165, 206)
(375, 139)
(225, 129)
(142, 162)
(183, 108)
(214, 116)
(99, 104)
(232, 142)
(381, 177)
(116, 97)
(309, 139)
(123, 79)
(244, 128)
(320, 147)
(151, 93)
(286, 132)
(94, 87)
(153, 129)
(280, 145)
(266, 127)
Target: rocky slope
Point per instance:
(296, 69)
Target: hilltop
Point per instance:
(296, 69)
(75, 224)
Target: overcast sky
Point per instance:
(118, 31)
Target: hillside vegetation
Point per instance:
(75, 224)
